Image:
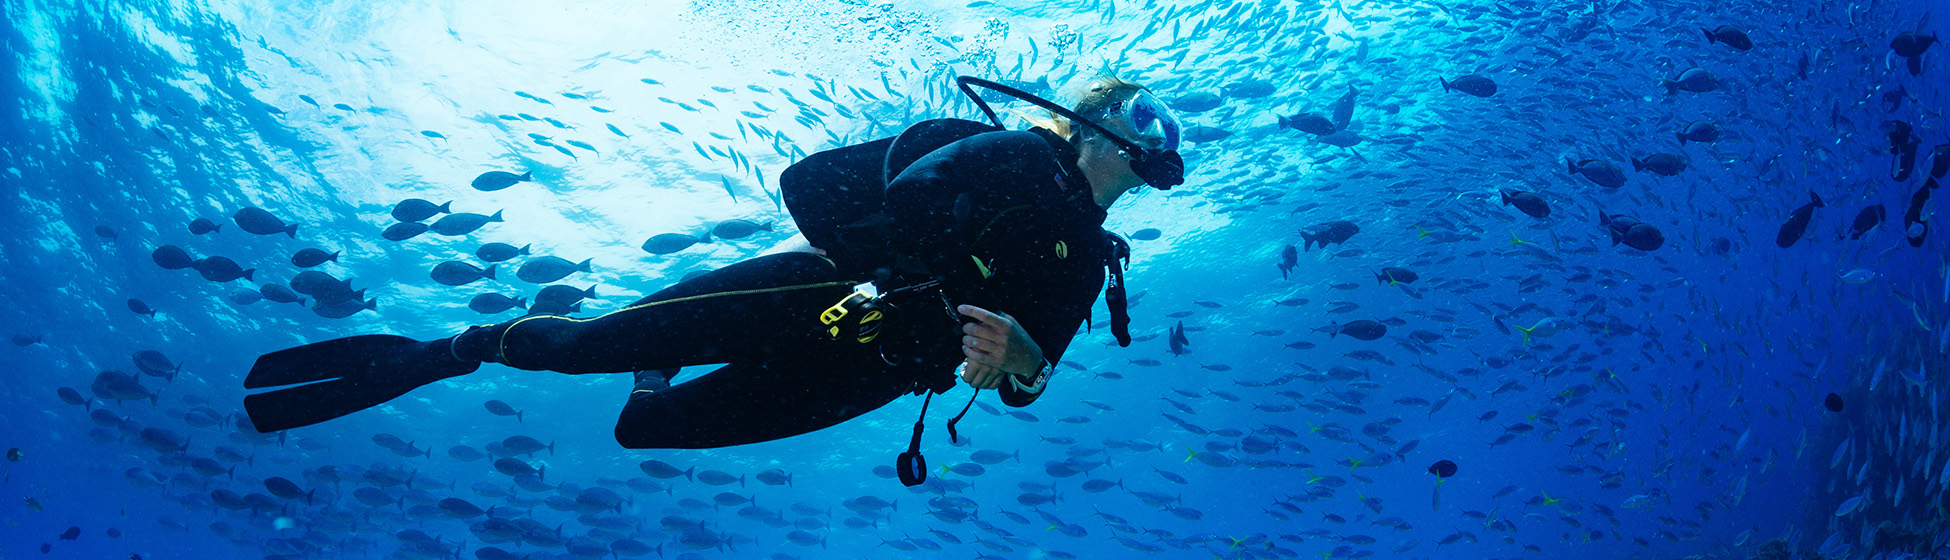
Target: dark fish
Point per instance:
(1721, 246)
(667, 243)
(1197, 102)
(497, 180)
(491, 303)
(71, 534)
(739, 229)
(462, 223)
(1146, 234)
(1940, 160)
(1443, 469)
(543, 270)
(1911, 46)
(1471, 84)
(499, 408)
(221, 269)
(1289, 258)
(1867, 220)
(307, 258)
(1528, 203)
(403, 231)
(343, 309)
(172, 257)
(1663, 164)
(1893, 99)
(1904, 146)
(457, 273)
(258, 221)
(1699, 131)
(14, 455)
(416, 209)
(153, 363)
(1396, 275)
(564, 294)
(1797, 222)
(1201, 134)
(105, 232)
(1309, 123)
(23, 339)
(1833, 402)
(1362, 329)
(1600, 172)
(279, 293)
(1249, 89)
(1337, 231)
(202, 226)
(1344, 108)
(1729, 36)
(1342, 139)
(497, 252)
(1696, 80)
(1631, 232)
(1915, 230)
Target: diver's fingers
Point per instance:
(995, 333)
(979, 356)
(985, 316)
(981, 376)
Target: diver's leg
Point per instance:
(749, 403)
(749, 311)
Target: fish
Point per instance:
(498, 252)
(1699, 131)
(219, 269)
(417, 209)
(1289, 258)
(492, 303)
(496, 180)
(739, 229)
(260, 222)
(403, 231)
(457, 273)
(1192, 103)
(308, 257)
(1696, 80)
(543, 270)
(1730, 36)
(1797, 222)
(1146, 234)
(171, 257)
(1911, 46)
(1599, 172)
(1631, 232)
(463, 223)
(667, 243)
(1472, 84)
(1309, 123)
(1392, 275)
(1527, 202)
(1362, 329)
(1661, 163)
(202, 226)
(499, 408)
(1338, 231)
(1867, 220)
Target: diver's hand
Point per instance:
(996, 346)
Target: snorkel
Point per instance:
(1160, 168)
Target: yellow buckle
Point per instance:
(839, 310)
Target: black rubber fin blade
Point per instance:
(305, 405)
(331, 359)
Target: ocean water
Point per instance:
(1596, 400)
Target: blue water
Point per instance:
(1675, 397)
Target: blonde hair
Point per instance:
(1099, 94)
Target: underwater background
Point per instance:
(1718, 395)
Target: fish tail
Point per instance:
(1445, 84)
(1309, 240)
(1672, 88)
(447, 207)
(247, 276)
(584, 265)
(1709, 35)
(1526, 331)
(1571, 166)
(1638, 164)
(489, 273)
(1817, 199)
(292, 231)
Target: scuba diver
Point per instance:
(955, 246)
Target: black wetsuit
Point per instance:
(1014, 201)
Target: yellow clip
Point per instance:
(839, 310)
(984, 268)
(1062, 250)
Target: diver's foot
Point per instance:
(431, 361)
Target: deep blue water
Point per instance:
(1668, 404)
